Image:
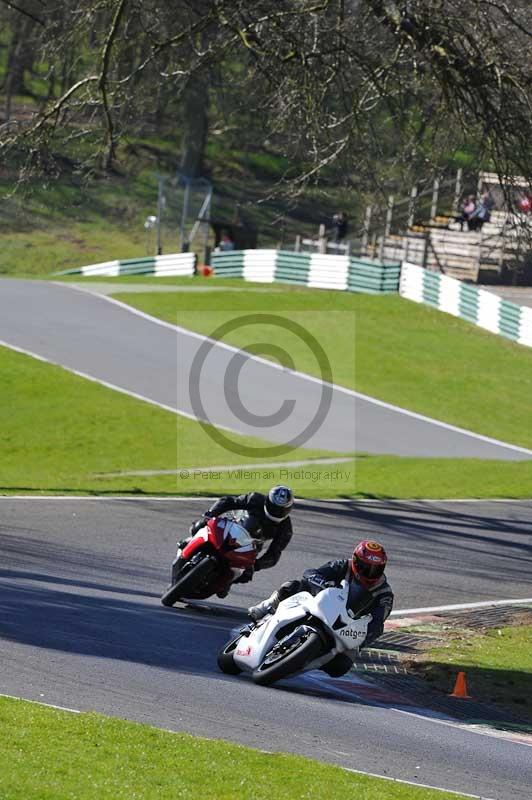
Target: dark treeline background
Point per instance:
(362, 94)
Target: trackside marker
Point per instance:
(460, 687)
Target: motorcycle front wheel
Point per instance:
(284, 660)
(189, 580)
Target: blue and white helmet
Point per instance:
(279, 503)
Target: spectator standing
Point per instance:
(226, 243)
(339, 226)
(466, 210)
(525, 204)
(482, 212)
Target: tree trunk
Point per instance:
(195, 124)
(19, 58)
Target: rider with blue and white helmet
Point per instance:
(271, 513)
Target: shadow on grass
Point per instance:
(499, 697)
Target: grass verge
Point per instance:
(64, 434)
(49, 753)
(497, 663)
(387, 347)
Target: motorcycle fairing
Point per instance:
(225, 536)
(253, 648)
(196, 543)
(329, 605)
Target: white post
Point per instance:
(322, 240)
(184, 216)
(412, 207)
(381, 248)
(160, 205)
(365, 230)
(435, 195)
(457, 190)
(389, 217)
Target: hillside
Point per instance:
(66, 221)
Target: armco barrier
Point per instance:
(313, 270)
(175, 264)
(482, 308)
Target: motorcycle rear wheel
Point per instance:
(226, 660)
(274, 669)
(187, 583)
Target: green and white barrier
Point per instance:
(314, 270)
(482, 308)
(182, 264)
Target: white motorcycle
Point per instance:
(304, 633)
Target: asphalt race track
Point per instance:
(86, 332)
(82, 627)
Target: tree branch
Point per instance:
(102, 81)
(21, 10)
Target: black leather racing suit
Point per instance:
(278, 533)
(332, 573)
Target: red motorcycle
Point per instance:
(213, 558)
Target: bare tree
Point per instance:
(371, 88)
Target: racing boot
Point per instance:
(267, 606)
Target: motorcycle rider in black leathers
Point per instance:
(366, 567)
(270, 514)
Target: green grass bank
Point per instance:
(70, 220)
(49, 754)
(64, 434)
(497, 663)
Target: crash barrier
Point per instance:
(482, 308)
(173, 264)
(314, 270)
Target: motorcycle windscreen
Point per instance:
(250, 523)
(240, 550)
(359, 600)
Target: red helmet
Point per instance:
(369, 560)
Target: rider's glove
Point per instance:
(199, 523)
(246, 576)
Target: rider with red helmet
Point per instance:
(366, 567)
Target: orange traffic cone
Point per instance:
(460, 687)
